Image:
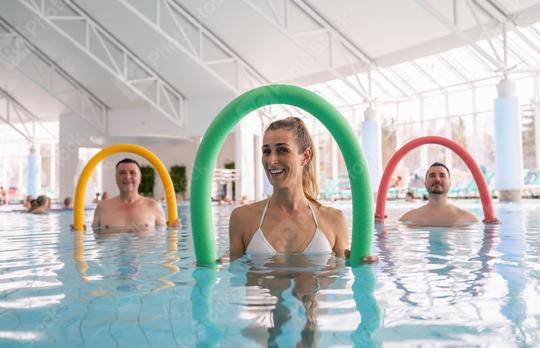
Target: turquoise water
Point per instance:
(432, 287)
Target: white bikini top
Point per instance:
(260, 245)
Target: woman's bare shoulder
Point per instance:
(248, 209)
(330, 213)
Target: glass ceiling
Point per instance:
(439, 72)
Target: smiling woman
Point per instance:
(214, 138)
(291, 220)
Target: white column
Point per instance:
(315, 138)
(317, 162)
(3, 163)
(371, 143)
(423, 149)
(537, 122)
(34, 172)
(399, 130)
(52, 170)
(476, 136)
(508, 143)
(257, 141)
(238, 163)
(243, 157)
(335, 160)
(20, 180)
(447, 133)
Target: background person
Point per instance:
(438, 211)
(3, 196)
(40, 205)
(128, 209)
(68, 203)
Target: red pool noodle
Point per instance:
(485, 197)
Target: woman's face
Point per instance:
(282, 159)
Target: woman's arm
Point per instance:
(342, 238)
(236, 241)
(341, 233)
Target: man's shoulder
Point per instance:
(104, 203)
(414, 213)
(465, 215)
(150, 202)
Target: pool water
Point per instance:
(475, 286)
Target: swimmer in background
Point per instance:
(68, 203)
(3, 196)
(27, 203)
(409, 196)
(438, 211)
(291, 220)
(40, 205)
(244, 200)
(128, 209)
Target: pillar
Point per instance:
(257, 141)
(371, 143)
(34, 172)
(508, 143)
(52, 169)
(335, 160)
(537, 122)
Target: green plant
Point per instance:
(148, 179)
(178, 177)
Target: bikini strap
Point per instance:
(263, 214)
(313, 214)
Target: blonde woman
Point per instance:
(291, 220)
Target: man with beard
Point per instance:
(438, 211)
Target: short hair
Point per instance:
(128, 160)
(67, 201)
(439, 164)
(41, 200)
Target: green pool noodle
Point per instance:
(214, 137)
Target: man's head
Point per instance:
(437, 179)
(128, 175)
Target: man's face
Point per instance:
(437, 180)
(128, 177)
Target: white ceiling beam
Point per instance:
(502, 17)
(344, 43)
(195, 45)
(14, 108)
(18, 51)
(462, 36)
(120, 63)
(196, 48)
(334, 38)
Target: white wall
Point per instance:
(137, 126)
(247, 156)
(170, 154)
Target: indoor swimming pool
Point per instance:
(475, 286)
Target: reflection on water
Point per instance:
(433, 286)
